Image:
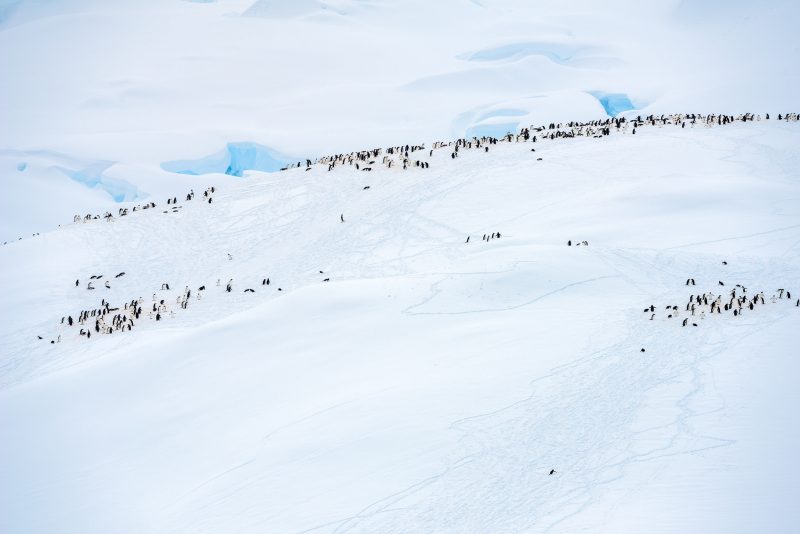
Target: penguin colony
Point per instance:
(735, 303)
(106, 319)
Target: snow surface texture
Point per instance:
(431, 385)
(311, 77)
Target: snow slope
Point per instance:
(432, 384)
(140, 84)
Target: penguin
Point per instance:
(77, 282)
(641, 350)
(569, 243)
(685, 321)
(467, 241)
(552, 471)
(341, 217)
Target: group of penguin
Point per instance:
(737, 302)
(404, 155)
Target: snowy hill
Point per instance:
(431, 384)
(593, 332)
(120, 90)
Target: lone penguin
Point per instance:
(552, 472)
(341, 217)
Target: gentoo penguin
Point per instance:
(467, 241)
(552, 471)
(342, 217)
(569, 243)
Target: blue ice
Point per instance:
(234, 160)
(613, 103)
(22, 166)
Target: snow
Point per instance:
(432, 384)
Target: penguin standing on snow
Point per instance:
(341, 217)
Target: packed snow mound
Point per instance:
(416, 380)
(234, 160)
(508, 116)
(562, 53)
